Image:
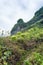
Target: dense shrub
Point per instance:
(35, 59)
(35, 32)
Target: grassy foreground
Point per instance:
(24, 48)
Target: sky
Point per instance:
(12, 10)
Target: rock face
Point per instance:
(18, 27)
(21, 25)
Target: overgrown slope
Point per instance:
(24, 47)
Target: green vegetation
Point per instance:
(34, 59)
(25, 47)
(5, 53)
(35, 32)
(32, 41)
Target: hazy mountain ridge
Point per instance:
(21, 25)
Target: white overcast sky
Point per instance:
(12, 10)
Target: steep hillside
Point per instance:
(23, 26)
(26, 46)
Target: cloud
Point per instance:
(12, 10)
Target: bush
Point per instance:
(13, 38)
(35, 59)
